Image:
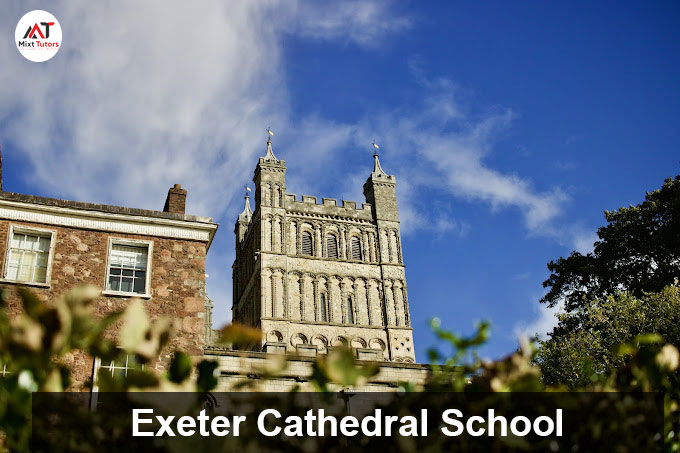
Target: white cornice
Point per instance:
(105, 221)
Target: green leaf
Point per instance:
(207, 375)
(180, 367)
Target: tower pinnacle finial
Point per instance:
(377, 169)
(247, 212)
(270, 154)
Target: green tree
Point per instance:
(638, 251)
(582, 355)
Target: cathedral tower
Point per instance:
(314, 276)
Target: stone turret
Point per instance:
(243, 219)
(380, 190)
(269, 179)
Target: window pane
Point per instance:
(114, 283)
(40, 275)
(31, 242)
(16, 240)
(126, 284)
(12, 271)
(44, 244)
(127, 256)
(14, 258)
(41, 259)
(24, 273)
(140, 283)
(115, 271)
(128, 272)
(29, 259)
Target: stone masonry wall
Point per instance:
(239, 366)
(80, 256)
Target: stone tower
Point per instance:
(314, 276)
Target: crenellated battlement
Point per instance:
(328, 206)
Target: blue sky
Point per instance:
(510, 126)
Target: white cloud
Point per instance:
(545, 319)
(521, 276)
(365, 23)
(584, 241)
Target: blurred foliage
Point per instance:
(34, 344)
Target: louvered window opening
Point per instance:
(332, 246)
(356, 248)
(350, 311)
(307, 243)
(323, 310)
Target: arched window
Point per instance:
(322, 309)
(332, 246)
(350, 311)
(356, 248)
(307, 248)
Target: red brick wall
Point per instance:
(177, 284)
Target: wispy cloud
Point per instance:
(573, 138)
(366, 23)
(562, 165)
(521, 276)
(544, 320)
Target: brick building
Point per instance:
(52, 245)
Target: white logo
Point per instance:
(38, 35)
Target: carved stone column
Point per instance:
(317, 232)
(343, 242)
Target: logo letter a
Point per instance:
(30, 33)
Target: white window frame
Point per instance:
(131, 243)
(42, 232)
(96, 366)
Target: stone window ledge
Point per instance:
(108, 292)
(19, 282)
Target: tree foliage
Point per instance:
(579, 355)
(638, 251)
